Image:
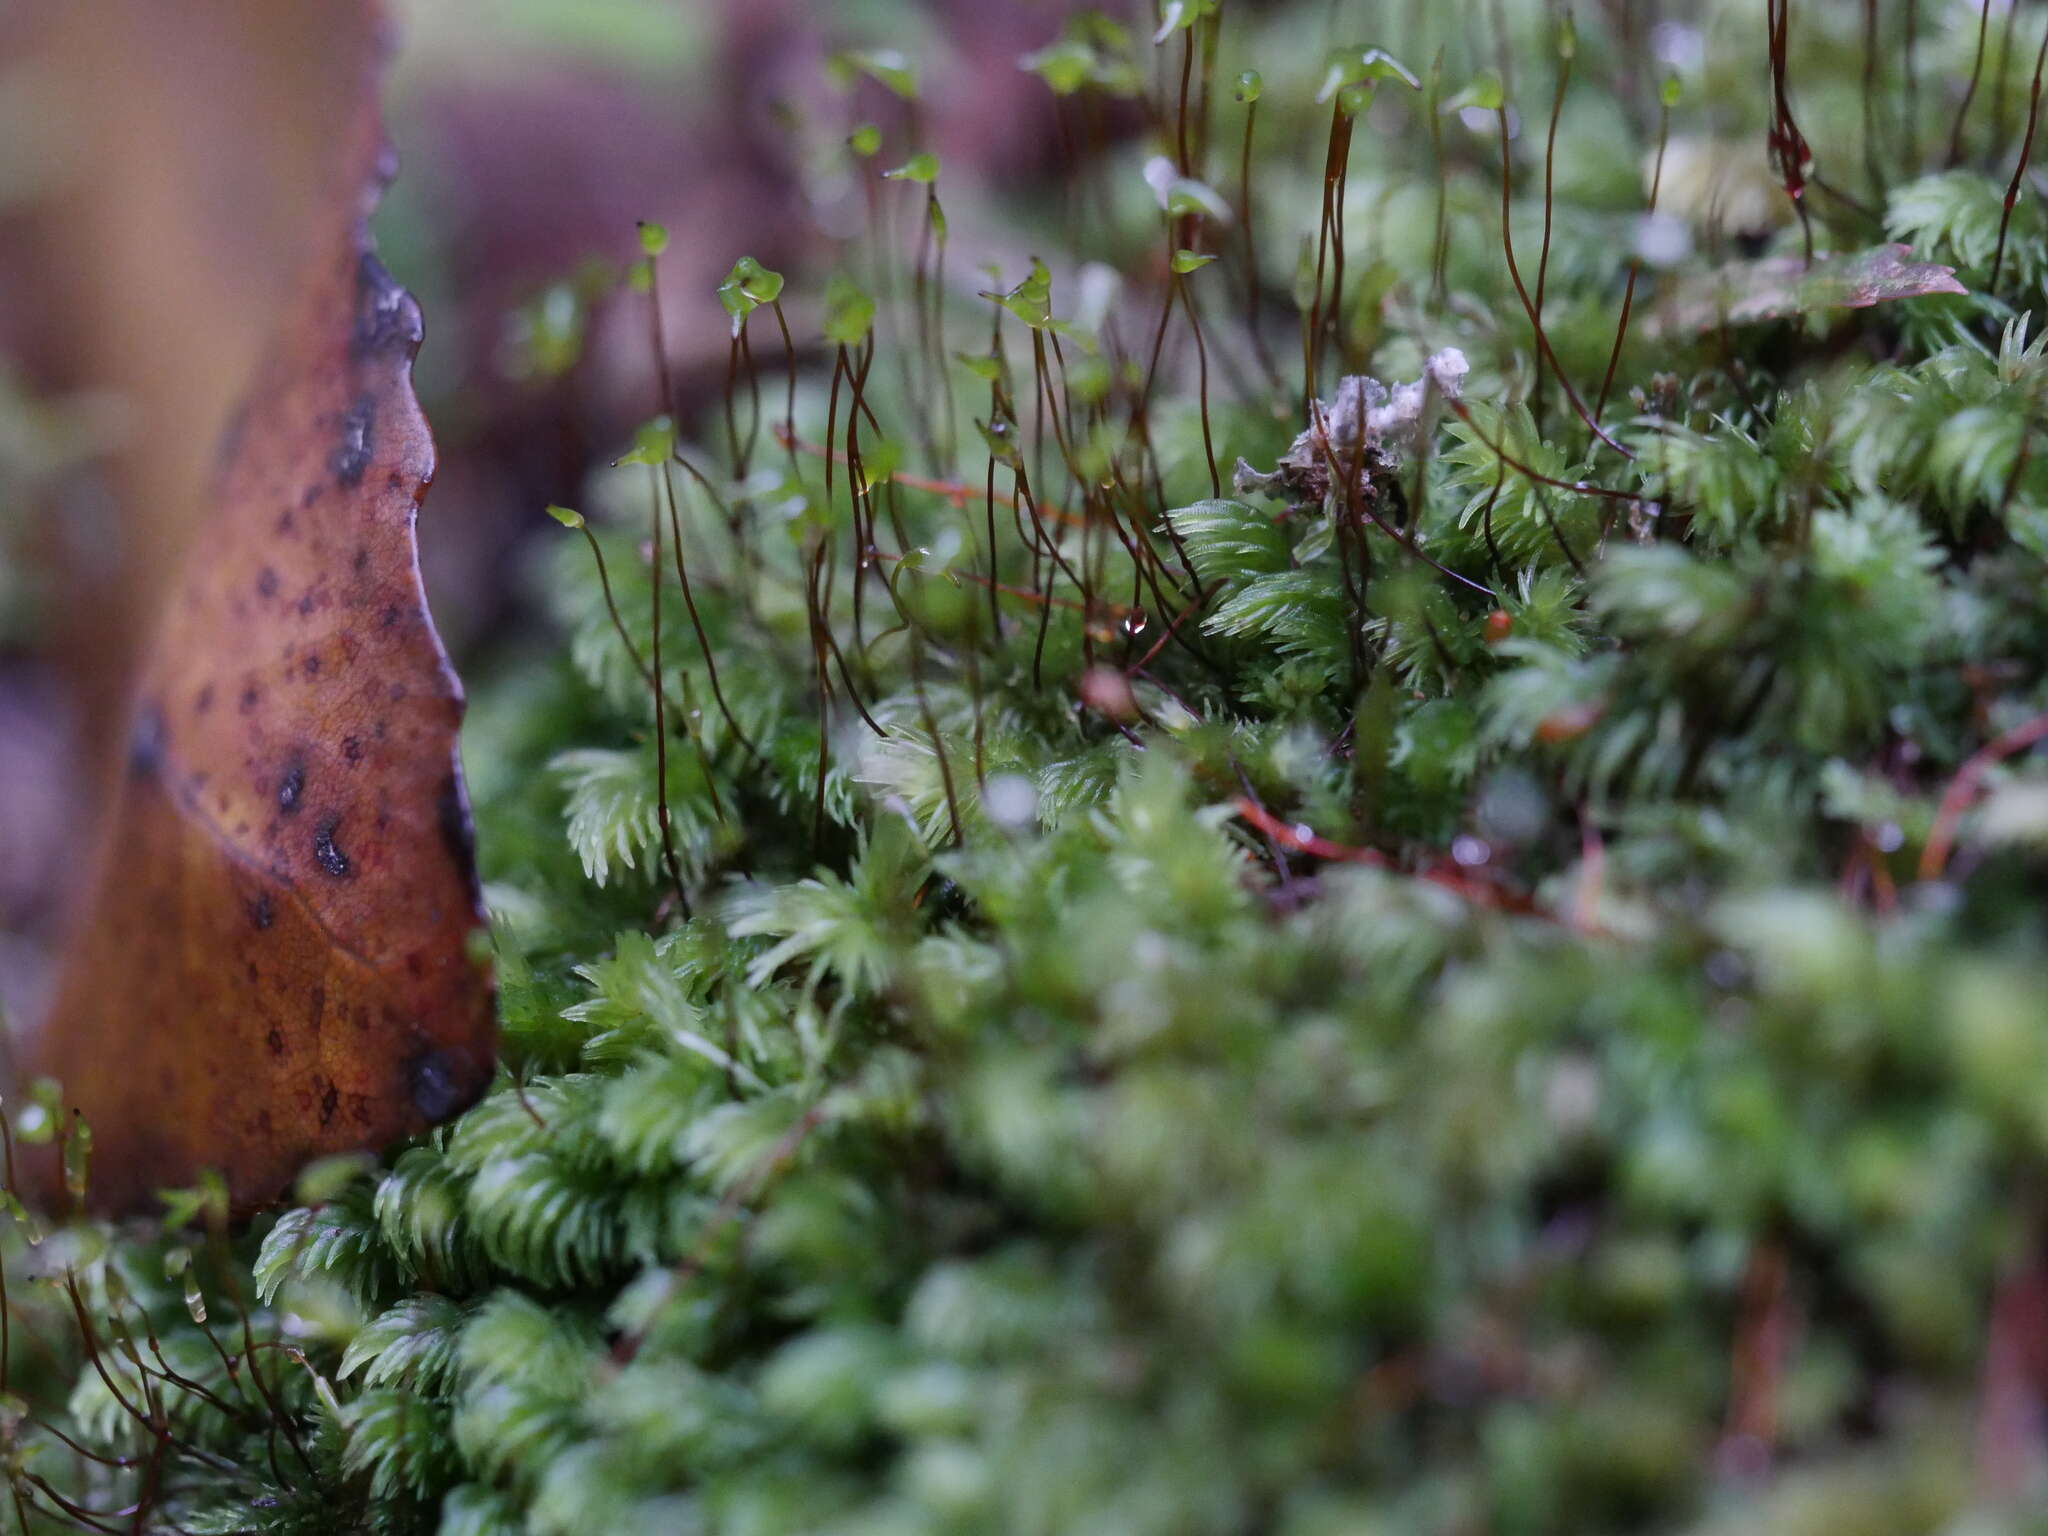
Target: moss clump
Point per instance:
(1491, 980)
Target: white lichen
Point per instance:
(1358, 435)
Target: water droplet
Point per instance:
(1470, 851)
(1011, 800)
(1135, 622)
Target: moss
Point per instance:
(1474, 976)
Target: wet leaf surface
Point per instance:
(1774, 287)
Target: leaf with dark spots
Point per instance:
(327, 855)
(457, 832)
(386, 318)
(146, 742)
(307, 852)
(435, 1084)
(351, 455)
(1774, 287)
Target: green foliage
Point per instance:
(1957, 216)
(1456, 988)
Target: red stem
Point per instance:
(1963, 788)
